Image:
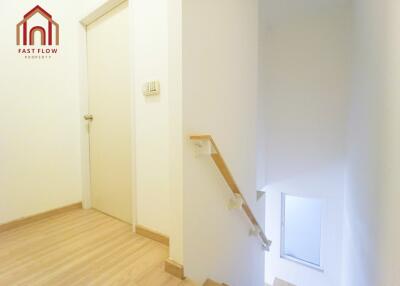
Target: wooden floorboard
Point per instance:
(81, 247)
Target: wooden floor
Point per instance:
(81, 247)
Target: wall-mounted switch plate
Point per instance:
(151, 88)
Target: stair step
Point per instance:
(280, 282)
(210, 282)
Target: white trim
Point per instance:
(302, 262)
(84, 107)
(295, 259)
(101, 11)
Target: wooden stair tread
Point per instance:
(280, 282)
(210, 282)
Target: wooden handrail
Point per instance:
(223, 168)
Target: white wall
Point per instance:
(176, 128)
(39, 118)
(304, 89)
(152, 114)
(362, 212)
(220, 98)
(371, 211)
(390, 274)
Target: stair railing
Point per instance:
(206, 145)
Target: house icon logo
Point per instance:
(38, 34)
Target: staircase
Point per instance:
(279, 282)
(210, 282)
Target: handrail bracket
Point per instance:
(205, 145)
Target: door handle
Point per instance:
(88, 117)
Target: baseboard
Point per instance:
(34, 218)
(151, 234)
(175, 269)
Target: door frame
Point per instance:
(95, 14)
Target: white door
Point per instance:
(110, 106)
